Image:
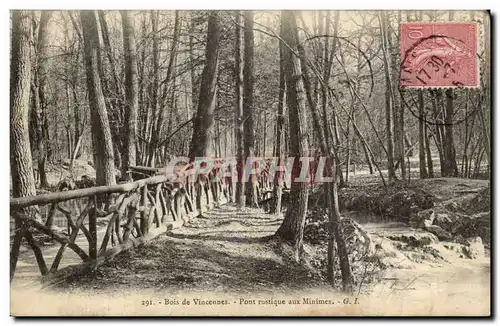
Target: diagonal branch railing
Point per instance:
(136, 212)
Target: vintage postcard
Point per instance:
(250, 163)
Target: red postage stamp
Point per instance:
(439, 54)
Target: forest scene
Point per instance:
(251, 153)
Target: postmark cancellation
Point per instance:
(439, 54)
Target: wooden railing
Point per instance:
(130, 214)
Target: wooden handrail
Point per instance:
(22, 202)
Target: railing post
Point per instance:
(93, 229)
(208, 193)
(233, 182)
(144, 215)
(215, 192)
(199, 194)
(14, 253)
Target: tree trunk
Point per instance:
(368, 152)
(450, 163)
(113, 95)
(400, 122)
(158, 125)
(109, 54)
(131, 94)
(348, 142)
(280, 120)
(264, 135)
(486, 114)
(192, 75)
(239, 115)
(438, 127)
(421, 136)
(141, 150)
(23, 182)
(430, 165)
(336, 143)
(327, 66)
(155, 87)
(332, 166)
(101, 133)
(248, 110)
(368, 159)
(40, 98)
(203, 123)
(401, 140)
(292, 228)
(389, 103)
(165, 144)
(77, 115)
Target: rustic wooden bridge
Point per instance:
(114, 219)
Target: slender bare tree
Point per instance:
(280, 120)
(101, 133)
(40, 97)
(131, 93)
(239, 114)
(421, 136)
(248, 104)
(389, 98)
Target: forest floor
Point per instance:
(229, 250)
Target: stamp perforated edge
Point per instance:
(479, 44)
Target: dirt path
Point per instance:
(222, 252)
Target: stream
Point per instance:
(448, 286)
